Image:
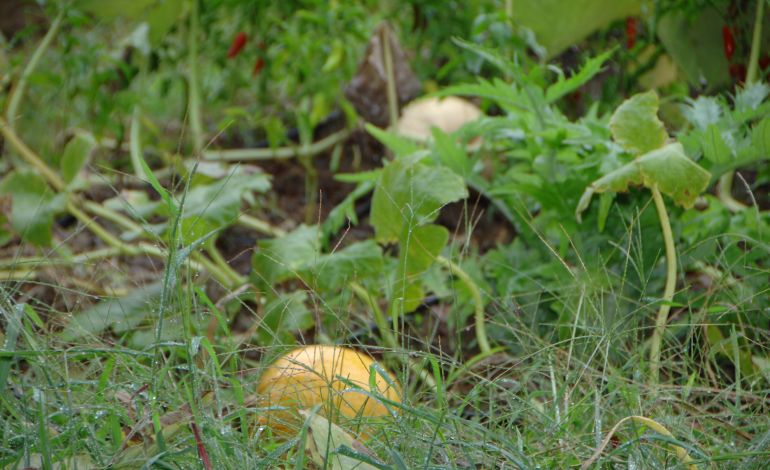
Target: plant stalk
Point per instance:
(668, 292)
(278, 153)
(18, 91)
(481, 330)
(387, 335)
(387, 59)
(193, 103)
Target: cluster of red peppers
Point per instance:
(237, 45)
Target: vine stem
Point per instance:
(281, 152)
(18, 91)
(198, 262)
(668, 292)
(481, 330)
(387, 334)
(725, 188)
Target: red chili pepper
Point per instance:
(728, 41)
(237, 45)
(260, 62)
(738, 72)
(764, 62)
(258, 65)
(631, 30)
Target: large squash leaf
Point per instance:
(668, 168)
(410, 193)
(635, 124)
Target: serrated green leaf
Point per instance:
(760, 138)
(503, 93)
(751, 96)
(76, 154)
(635, 124)
(714, 147)
(410, 193)
(669, 168)
(589, 70)
(703, 111)
(399, 145)
(33, 206)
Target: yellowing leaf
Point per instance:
(668, 168)
(333, 448)
(635, 124)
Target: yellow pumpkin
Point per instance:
(310, 376)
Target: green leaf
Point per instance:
(121, 313)
(345, 210)
(334, 271)
(693, 39)
(565, 86)
(420, 246)
(557, 24)
(217, 205)
(160, 16)
(760, 138)
(281, 258)
(751, 96)
(418, 249)
(171, 204)
(76, 154)
(410, 193)
(674, 174)
(450, 153)
(399, 145)
(714, 147)
(703, 111)
(33, 206)
(635, 124)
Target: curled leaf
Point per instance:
(668, 168)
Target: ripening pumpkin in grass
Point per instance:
(312, 375)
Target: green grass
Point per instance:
(544, 400)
